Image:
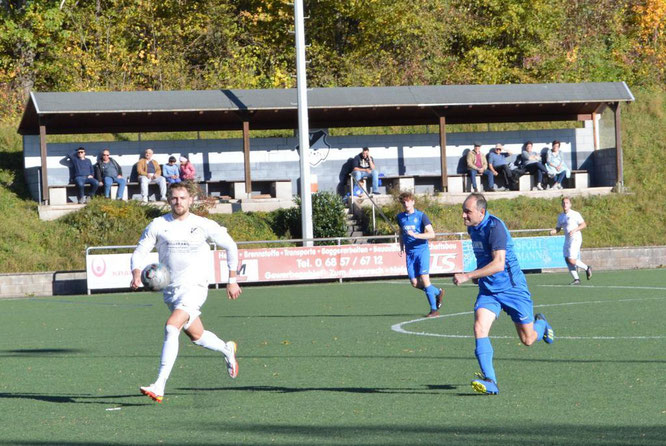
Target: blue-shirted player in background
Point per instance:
(415, 231)
(502, 286)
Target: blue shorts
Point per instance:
(516, 302)
(418, 263)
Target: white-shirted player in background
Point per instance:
(182, 242)
(572, 223)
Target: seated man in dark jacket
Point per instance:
(364, 167)
(83, 173)
(107, 172)
(499, 166)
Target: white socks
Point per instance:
(170, 352)
(572, 268)
(169, 355)
(210, 341)
(581, 265)
(572, 271)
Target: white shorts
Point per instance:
(190, 299)
(572, 248)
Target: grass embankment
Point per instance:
(635, 219)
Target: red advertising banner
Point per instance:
(334, 262)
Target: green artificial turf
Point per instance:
(321, 364)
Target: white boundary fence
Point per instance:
(111, 270)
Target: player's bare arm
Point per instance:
(555, 231)
(136, 279)
(580, 227)
(496, 265)
(233, 289)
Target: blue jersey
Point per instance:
(488, 236)
(416, 222)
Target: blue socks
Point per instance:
(540, 328)
(431, 293)
(484, 354)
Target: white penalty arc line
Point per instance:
(552, 285)
(615, 287)
(398, 328)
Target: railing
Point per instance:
(338, 241)
(374, 205)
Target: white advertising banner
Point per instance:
(112, 271)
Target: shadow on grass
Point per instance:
(77, 399)
(437, 433)
(41, 352)
(13, 161)
(425, 390)
(297, 316)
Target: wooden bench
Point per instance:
(462, 183)
(420, 183)
(68, 193)
(272, 188)
(580, 179)
(399, 183)
(216, 188)
(133, 191)
(527, 182)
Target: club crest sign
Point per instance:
(319, 147)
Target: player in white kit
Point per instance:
(182, 242)
(572, 223)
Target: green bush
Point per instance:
(106, 222)
(247, 227)
(328, 215)
(328, 218)
(287, 222)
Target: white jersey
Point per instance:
(183, 247)
(569, 221)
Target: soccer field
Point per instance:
(350, 363)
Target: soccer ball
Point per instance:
(155, 277)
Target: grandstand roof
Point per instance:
(155, 111)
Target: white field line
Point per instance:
(398, 328)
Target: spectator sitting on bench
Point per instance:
(364, 166)
(477, 164)
(533, 164)
(107, 172)
(499, 166)
(150, 172)
(83, 173)
(172, 171)
(556, 165)
(187, 171)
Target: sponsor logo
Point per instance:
(98, 267)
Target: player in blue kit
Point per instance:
(502, 286)
(415, 231)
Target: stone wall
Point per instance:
(625, 258)
(52, 283)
